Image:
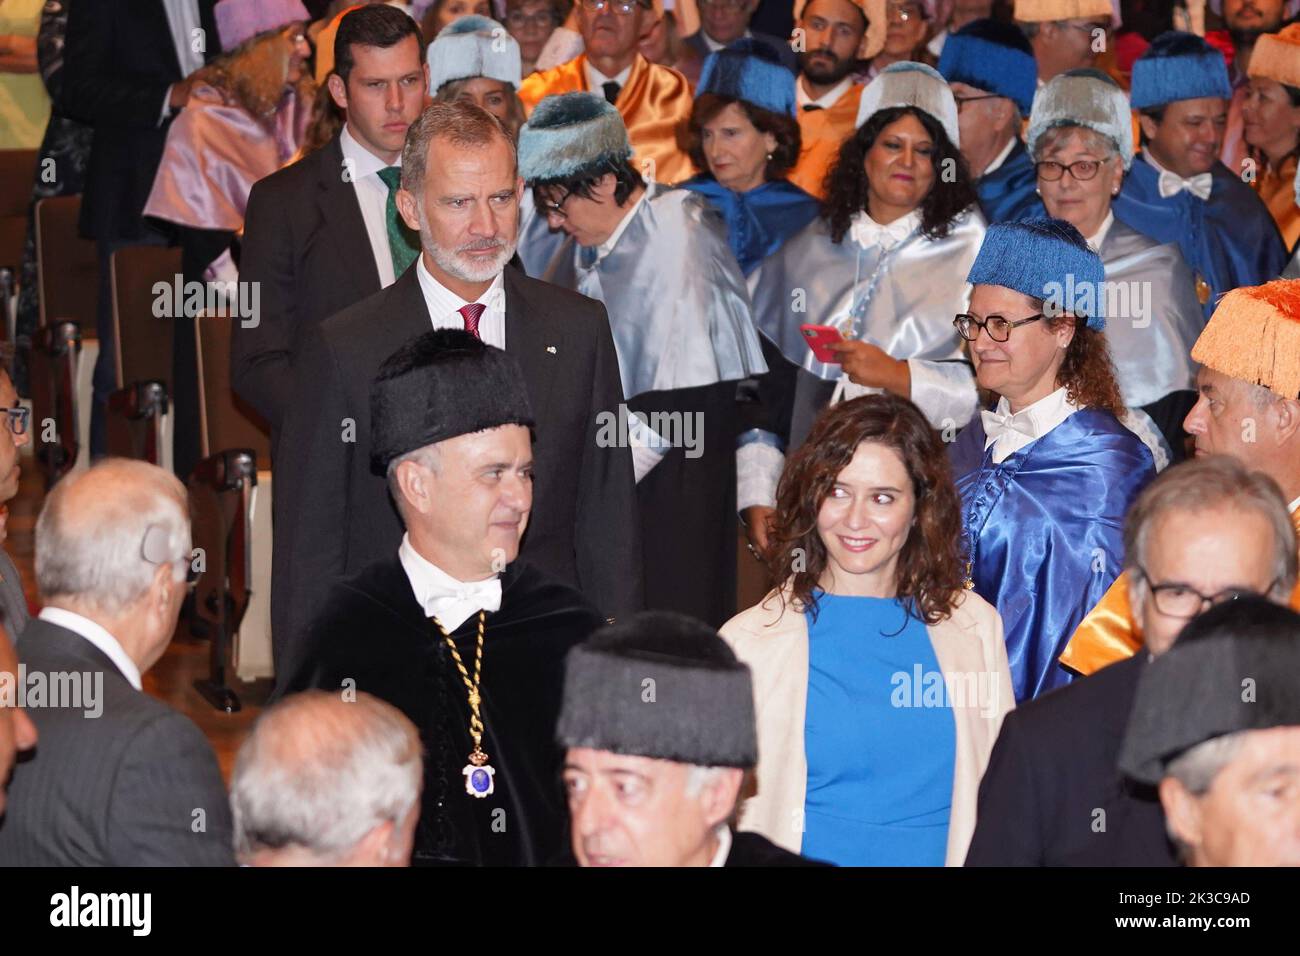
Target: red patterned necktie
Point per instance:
(472, 313)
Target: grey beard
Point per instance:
(449, 260)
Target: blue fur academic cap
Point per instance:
(749, 70)
(1178, 66)
(1044, 259)
(994, 57)
(570, 136)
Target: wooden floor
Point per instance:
(186, 659)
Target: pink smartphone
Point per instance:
(820, 338)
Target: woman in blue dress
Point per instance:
(1048, 474)
(744, 137)
(879, 681)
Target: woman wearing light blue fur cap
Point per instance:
(1081, 140)
(882, 271)
(477, 60)
(1047, 476)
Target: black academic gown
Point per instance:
(372, 630)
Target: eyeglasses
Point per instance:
(1183, 601)
(1088, 27)
(962, 100)
(903, 12)
(623, 8)
(998, 327)
(18, 419)
(555, 208)
(1081, 169)
(519, 19)
(154, 549)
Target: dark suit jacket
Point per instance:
(1052, 783)
(333, 515)
(306, 247)
(13, 602)
(120, 789)
(781, 47)
(119, 60)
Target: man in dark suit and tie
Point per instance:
(128, 67)
(333, 515)
(723, 22)
(1053, 795)
(117, 778)
(316, 233)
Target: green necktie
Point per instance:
(402, 242)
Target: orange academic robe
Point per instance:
(1109, 633)
(823, 133)
(1277, 189)
(654, 103)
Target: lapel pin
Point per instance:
(551, 349)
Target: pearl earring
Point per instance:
(769, 157)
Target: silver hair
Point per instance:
(96, 553)
(1216, 481)
(700, 777)
(1195, 768)
(1091, 138)
(464, 124)
(319, 772)
(426, 455)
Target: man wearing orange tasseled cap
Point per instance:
(1249, 408)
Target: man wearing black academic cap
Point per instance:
(1216, 725)
(467, 641)
(658, 722)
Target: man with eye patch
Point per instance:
(1204, 533)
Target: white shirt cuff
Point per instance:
(944, 391)
(758, 471)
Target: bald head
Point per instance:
(328, 780)
(104, 533)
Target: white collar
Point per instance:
(827, 99)
(1008, 432)
(1000, 158)
(596, 79)
(363, 162)
(724, 845)
(606, 247)
(1294, 506)
(714, 46)
(443, 302)
(1098, 237)
(439, 595)
(868, 233)
(85, 628)
(1151, 161)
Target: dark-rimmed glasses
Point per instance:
(18, 419)
(555, 208)
(1183, 601)
(998, 327)
(1081, 169)
(623, 8)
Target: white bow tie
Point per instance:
(996, 425)
(867, 233)
(454, 605)
(1171, 184)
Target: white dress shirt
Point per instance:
(606, 247)
(372, 197)
(1171, 184)
(596, 80)
(1294, 506)
(716, 45)
(1097, 238)
(724, 845)
(84, 627)
(182, 21)
(1009, 433)
(827, 99)
(451, 601)
(444, 306)
(1000, 158)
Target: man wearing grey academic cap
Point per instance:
(658, 722)
(1216, 725)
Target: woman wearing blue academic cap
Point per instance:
(1047, 475)
(744, 136)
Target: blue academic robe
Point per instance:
(1010, 191)
(1229, 240)
(758, 221)
(1045, 532)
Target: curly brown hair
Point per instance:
(1087, 372)
(785, 128)
(847, 189)
(931, 563)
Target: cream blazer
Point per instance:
(772, 638)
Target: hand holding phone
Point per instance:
(820, 338)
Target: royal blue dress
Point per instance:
(879, 737)
(759, 221)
